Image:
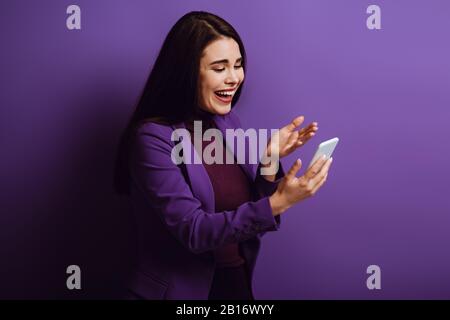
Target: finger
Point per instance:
(303, 139)
(294, 169)
(302, 135)
(293, 137)
(315, 168)
(295, 123)
(306, 131)
(307, 134)
(309, 127)
(312, 125)
(324, 176)
(319, 184)
(323, 172)
(292, 141)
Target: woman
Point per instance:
(199, 225)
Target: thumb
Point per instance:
(294, 169)
(295, 123)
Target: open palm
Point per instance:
(288, 139)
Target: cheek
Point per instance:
(216, 81)
(207, 86)
(241, 76)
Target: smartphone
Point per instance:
(325, 148)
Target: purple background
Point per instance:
(66, 96)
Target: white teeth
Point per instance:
(226, 93)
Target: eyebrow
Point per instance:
(224, 61)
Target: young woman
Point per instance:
(199, 225)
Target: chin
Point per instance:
(222, 110)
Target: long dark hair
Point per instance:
(171, 93)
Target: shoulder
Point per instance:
(153, 133)
(159, 129)
(154, 127)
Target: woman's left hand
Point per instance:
(289, 139)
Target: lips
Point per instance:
(222, 98)
(225, 95)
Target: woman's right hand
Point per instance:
(292, 189)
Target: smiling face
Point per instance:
(221, 73)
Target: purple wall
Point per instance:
(66, 95)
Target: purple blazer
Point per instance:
(176, 220)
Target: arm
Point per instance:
(266, 188)
(171, 198)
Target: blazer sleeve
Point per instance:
(181, 212)
(266, 188)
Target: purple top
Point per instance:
(231, 189)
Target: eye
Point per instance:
(219, 70)
(237, 67)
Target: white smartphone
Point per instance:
(325, 148)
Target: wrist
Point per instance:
(269, 170)
(277, 204)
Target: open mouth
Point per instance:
(224, 96)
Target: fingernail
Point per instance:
(324, 157)
(331, 160)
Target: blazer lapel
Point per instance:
(201, 185)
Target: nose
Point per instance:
(232, 77)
